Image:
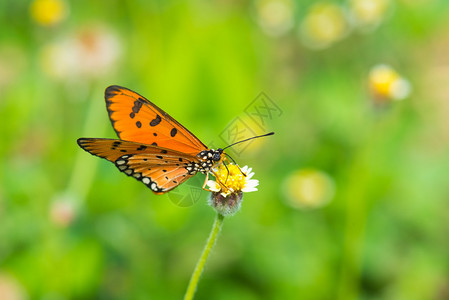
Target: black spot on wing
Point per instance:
(138, 124)
(173, 132)
(115, 145)
(137, 105)
(156, 121)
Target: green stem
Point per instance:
(191, 288)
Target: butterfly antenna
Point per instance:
(230, 158)
(254, 137)
(235, 164)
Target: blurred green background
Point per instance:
(354, 187)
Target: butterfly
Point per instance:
(152, 147)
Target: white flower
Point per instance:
(89, 53)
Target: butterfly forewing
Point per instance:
(160, 169)
(135, 118)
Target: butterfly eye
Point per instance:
(216, 157)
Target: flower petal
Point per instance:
(249, 189)
(213, 186)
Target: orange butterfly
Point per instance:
(153, 147)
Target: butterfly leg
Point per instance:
(222, 185)
(205, 182)
(204, 185)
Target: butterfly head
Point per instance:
(217, 154)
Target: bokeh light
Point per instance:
(275, 17)
(308, 189)
(324, 24)
(368, 14)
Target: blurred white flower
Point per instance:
(368, 14)
(63, 210)
(11, 289)
(324, 24)
(308, 189)
(275, 17)
(386, 84)
(91, 53)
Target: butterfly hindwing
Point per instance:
(136, 119)
(160, 169)
(161, 179)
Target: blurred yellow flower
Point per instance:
(324, 24)
(386, 84)
(368, 14)
(48, 12)
(308, 189)
(275, 17)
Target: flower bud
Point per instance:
(226, 205)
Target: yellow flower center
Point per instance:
(231, 177)
(382, 78)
